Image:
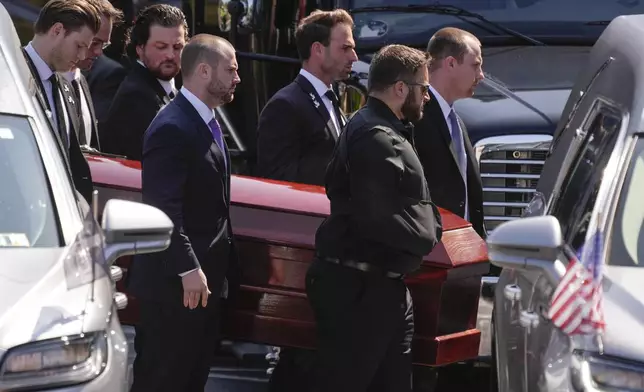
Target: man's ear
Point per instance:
(400, 88)
(57, 29)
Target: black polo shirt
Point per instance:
(381, 210)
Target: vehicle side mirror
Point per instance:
(134, 228)
(533, 243)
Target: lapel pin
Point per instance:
(315, 102)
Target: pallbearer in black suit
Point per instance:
(186, 174)
(300, 124)
(156, 41)
(444, 148)
(63, 33)
(87, 133)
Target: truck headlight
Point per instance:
(55, 362)
(593, 372)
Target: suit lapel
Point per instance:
(70, 103)
(317, 103)
(206, 134)
(41, 94)
(434, 111)
(146, 75)
(90, 105)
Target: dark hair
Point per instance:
(447, 42)
(105, 8)
(163, 15)
(317, 28)
(72, 14)
(393, 63)
(202, 48)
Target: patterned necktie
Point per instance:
(82, 138)
(218, 137)
(457, 142)
(336, 107)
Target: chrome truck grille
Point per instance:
(510, 168)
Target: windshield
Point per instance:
(627, 242)
(26, 207)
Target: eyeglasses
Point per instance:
(102, 44)
(425, 87)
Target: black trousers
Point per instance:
(365, 327)
(175, 346)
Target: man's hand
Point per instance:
(195, 286)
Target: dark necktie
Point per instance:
(82, 139)
(336, 108)
(217, 135)
(171, 95)
(60, 114)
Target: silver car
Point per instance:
(59, 328)
(592, 180)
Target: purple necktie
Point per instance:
(216, 134)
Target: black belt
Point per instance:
(362, 266)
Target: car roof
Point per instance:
(18, 84)
(622, 81)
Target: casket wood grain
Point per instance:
(274, 225)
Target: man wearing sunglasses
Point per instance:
(87, 133)
(382, 223)
(441, 139)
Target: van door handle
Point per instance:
(528, 319)
(512, 292)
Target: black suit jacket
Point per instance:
(184, 175)
(133, 108)
(433, 143)
(295, 135)
(103, 80)
(80, 172)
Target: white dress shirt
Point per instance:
(446, 108)
(44, 72)
(87, 114)
(321, 89)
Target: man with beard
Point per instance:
(186, 174)
(444, 149)
(63, 33)
(155, 44)
(87, 133)
(382, 223)
(300, 124)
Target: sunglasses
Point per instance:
(425, 87)
(102, 44)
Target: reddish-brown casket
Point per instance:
(274, 225)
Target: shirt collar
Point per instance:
(318, 85)
(168, 85)
(445, 107)
(204, 111)
(382, 109)
(41, 66)
(72, 75)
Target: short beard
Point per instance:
(410, 111)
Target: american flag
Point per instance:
(576, 306)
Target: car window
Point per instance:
(27, 212)
(627, 239)
(581, 184)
